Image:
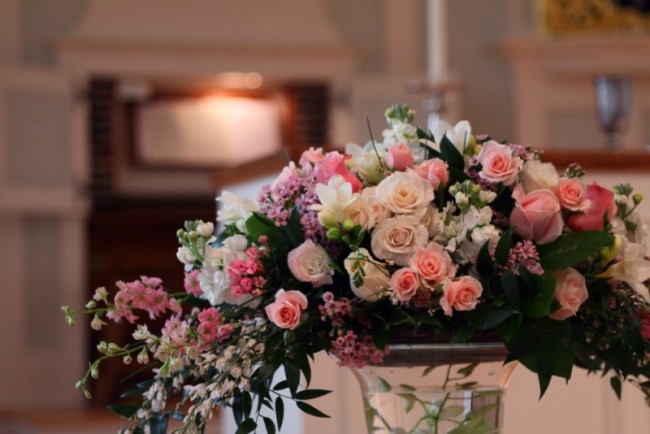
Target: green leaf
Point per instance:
(484, 261)
(293, 378)
(124, 409)
(544, 382)
(451, 412)
(510, 326)
(450, 154)
(466, 371)
(269, 425)
(410, 401)
(311, 394)
(247, 426)
(384, 386)
(503, 248)
(311, 410)
(539, 305)
(510, 286)
(615, 382)
(281, 385)
(279, 411)
(571, 249)
(496, 317)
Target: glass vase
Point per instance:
(436, 389)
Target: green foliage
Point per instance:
(571, 249)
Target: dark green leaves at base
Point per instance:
(571, 249)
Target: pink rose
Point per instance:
(333, 163)
(310, 263)
(536, 215)
(571, 192)
(461, 294)
(570, 291)
(405, 284)
(435, 171)
(310, 157)
(498, 164)
(600, 202)
(287, 308)
(433, 264)
(399, 157)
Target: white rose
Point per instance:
(309, 262)
(405, 193)
(395, 239)
(235, 210)
(376, 279)
(536, 175)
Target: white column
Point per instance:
(437, 67)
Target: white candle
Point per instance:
(436, 39)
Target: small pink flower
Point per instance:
(570, 291)
(571, 192)
(191, 283)
(498, 163)
(461, 294)
(333, 163)
(310, 157)
(286, 310)
(435, 171)
(399, 157)
(405, 284)
(433, 264)
(536, 215)
(600, 202)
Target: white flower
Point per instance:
(459, 134)
(536, 175)
(185, 255)
(400, 132)
(486, 196)
(405, 193)
(334, 198)
(633, 268)
(205, 229)
(213, 278)
(461, 199)
(367, 161)
(475, 217)
(235, 210)
(396, 239)
(376, 279)
(309, 262)
(361, 213)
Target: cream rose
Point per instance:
(361, 213)
(396, 239)
(376, 281)
(405, 193)
(570, 291)
(309, 262)
(379, 210)
(536, 175)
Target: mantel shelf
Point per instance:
(601, 161)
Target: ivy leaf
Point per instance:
(311, 410)
(571, 249)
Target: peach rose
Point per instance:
(601, 202)
(309, 262)
(435, 171)
(570, 291)
(433, 264)
(405, 193)
(571, 192)
(396, 239)
(404, 283)
(498, 164)
(536, 215)
(333, 163)
(399, 157)
(461, 294)
(286, 310)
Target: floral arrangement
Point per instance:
(454, 235)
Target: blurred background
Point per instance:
(120, 119)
